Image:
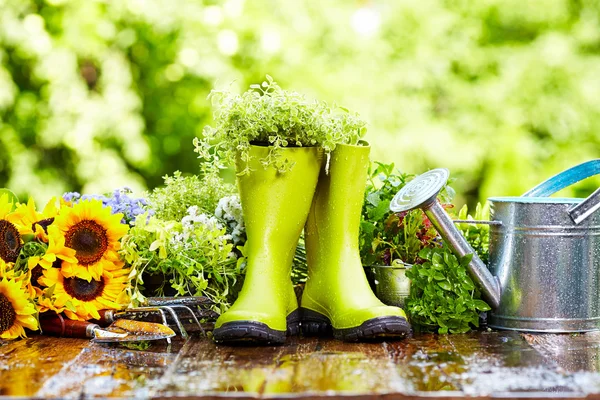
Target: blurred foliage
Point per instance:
(98, 94)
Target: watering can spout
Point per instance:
(490, 285)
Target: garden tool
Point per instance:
(170, 311)
(120, 331)
(337, 296)
(275, 206)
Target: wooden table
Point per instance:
(480, 364)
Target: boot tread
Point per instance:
(386, 327)
(254, 332)
(250, 332)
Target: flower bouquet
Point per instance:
(63, 259)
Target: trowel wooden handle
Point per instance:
(107, 317)
(57, 325)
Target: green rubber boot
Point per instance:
(337, 296)
(275, 207)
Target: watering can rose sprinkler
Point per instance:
(544, 272)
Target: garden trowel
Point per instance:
(122, 330)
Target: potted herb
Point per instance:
(188, 242)
(390, 242)
(443, 297)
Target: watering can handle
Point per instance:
(587, 207)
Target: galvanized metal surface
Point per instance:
(476, 365)
(548, 267)
(391, 285)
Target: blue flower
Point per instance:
(119, 202)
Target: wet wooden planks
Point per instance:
(26, 364)
(480, 364)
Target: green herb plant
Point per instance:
(443, 296)
(268, 115)
(195, 259)
(385, 236)
(172, 201)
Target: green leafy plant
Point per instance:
(442, 294)
(386, 236)
(194, 257)
(268, 115)
(172, 201)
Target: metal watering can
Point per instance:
(544, 272)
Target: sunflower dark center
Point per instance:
(89, 240)
(82, 289)
(7, 313)
(45, 223)
(10, 241)
(36, 273)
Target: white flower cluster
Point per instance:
(189, 225)
(193, 218)
(229, 209)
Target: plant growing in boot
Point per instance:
(270, 116)
(276, 139)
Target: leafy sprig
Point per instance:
(171, 202)
(268, 115)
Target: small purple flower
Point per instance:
(71, 197)
(119, 202)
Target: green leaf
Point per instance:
(445, 285)
(69, 305)
(373, 199)
(382, 208)
(439, 276)
(481, 305)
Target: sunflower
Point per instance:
(10, 236)
(34, 222)
(94, 233)
(16, 310)
(23, 278)
(81, 299)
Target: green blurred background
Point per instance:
(96, 95)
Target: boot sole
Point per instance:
(256, 333)
(380, 328)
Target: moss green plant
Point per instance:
(268, 115)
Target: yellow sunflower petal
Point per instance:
(17, 309)
(28, 321)
(14, 332)
(5, 205)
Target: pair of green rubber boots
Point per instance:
(327, 202)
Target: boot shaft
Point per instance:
(336, 209)
(275, 204)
